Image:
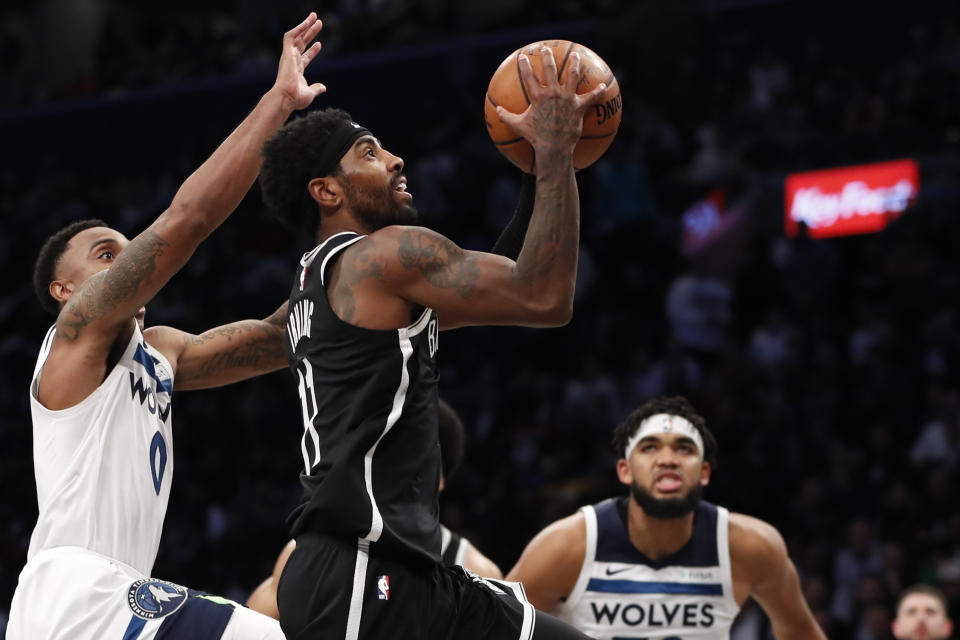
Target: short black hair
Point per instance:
(290, 159)
(45, 268)
(452, 438)
(925, 589)
(677, 406)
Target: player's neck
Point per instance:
(339, 222)
(657, 538)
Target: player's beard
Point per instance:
(375, 208)
(666, 507)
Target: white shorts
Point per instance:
(71, 593)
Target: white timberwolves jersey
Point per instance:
(103, 466)
(623, 594)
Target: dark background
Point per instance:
(827, 369)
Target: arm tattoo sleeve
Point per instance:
(442, 263)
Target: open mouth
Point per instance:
(401, 188)
(668, 482)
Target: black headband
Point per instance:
(336, 146)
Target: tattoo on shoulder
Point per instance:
(357, 264)
(441, 262)
(103, 291)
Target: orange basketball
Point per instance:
(600, 123)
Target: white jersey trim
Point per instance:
(44, 352)
(356, 596)
(586, 569)
(323, 265)
(529, 616)
(723, 549)
(461, 551)
(308, 257)
(399, 399)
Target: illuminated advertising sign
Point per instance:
(850, 200)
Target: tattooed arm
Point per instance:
(420, 267)
(223, 355)
(101, 309)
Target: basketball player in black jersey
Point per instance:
(455, 550)
(365, 310)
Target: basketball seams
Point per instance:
(566, 57)
(523, 87)
(511, 90)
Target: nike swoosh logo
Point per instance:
(616, 571)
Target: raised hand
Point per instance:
(554, 119)
(297, 54)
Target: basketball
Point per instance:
(600, 122)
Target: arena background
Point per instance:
(828, 369)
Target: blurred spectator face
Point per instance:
(921, 617)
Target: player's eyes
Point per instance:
(108, 254)
(370, 152)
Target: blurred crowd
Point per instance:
(829, 370)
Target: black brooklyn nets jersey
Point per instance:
(371, 452)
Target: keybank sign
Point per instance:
(850, 200)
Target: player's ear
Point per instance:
(326, 192)
(705, 471)
(60, 290)
(624, 472)
(895, 627)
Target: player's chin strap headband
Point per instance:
(338, 143)
(664, 423)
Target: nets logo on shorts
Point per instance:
(150, 599)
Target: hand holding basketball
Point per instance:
(529, 101)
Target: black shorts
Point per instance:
(334, 589)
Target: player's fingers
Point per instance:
(509, 118)
(300, 28)
(549, 66)
(311, 33)
(317, 88)
(592, 97)
(529, 78)
(571, 75)
(311, 53)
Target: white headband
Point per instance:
(664, 423)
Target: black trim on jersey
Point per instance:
(612, 531)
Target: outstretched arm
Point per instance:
(758, 553)
(105, 304)
(223, 355)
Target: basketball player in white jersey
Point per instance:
(455, 550)
(922, 614)
(662, 563)
(101, 399)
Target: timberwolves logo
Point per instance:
(151, 599)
